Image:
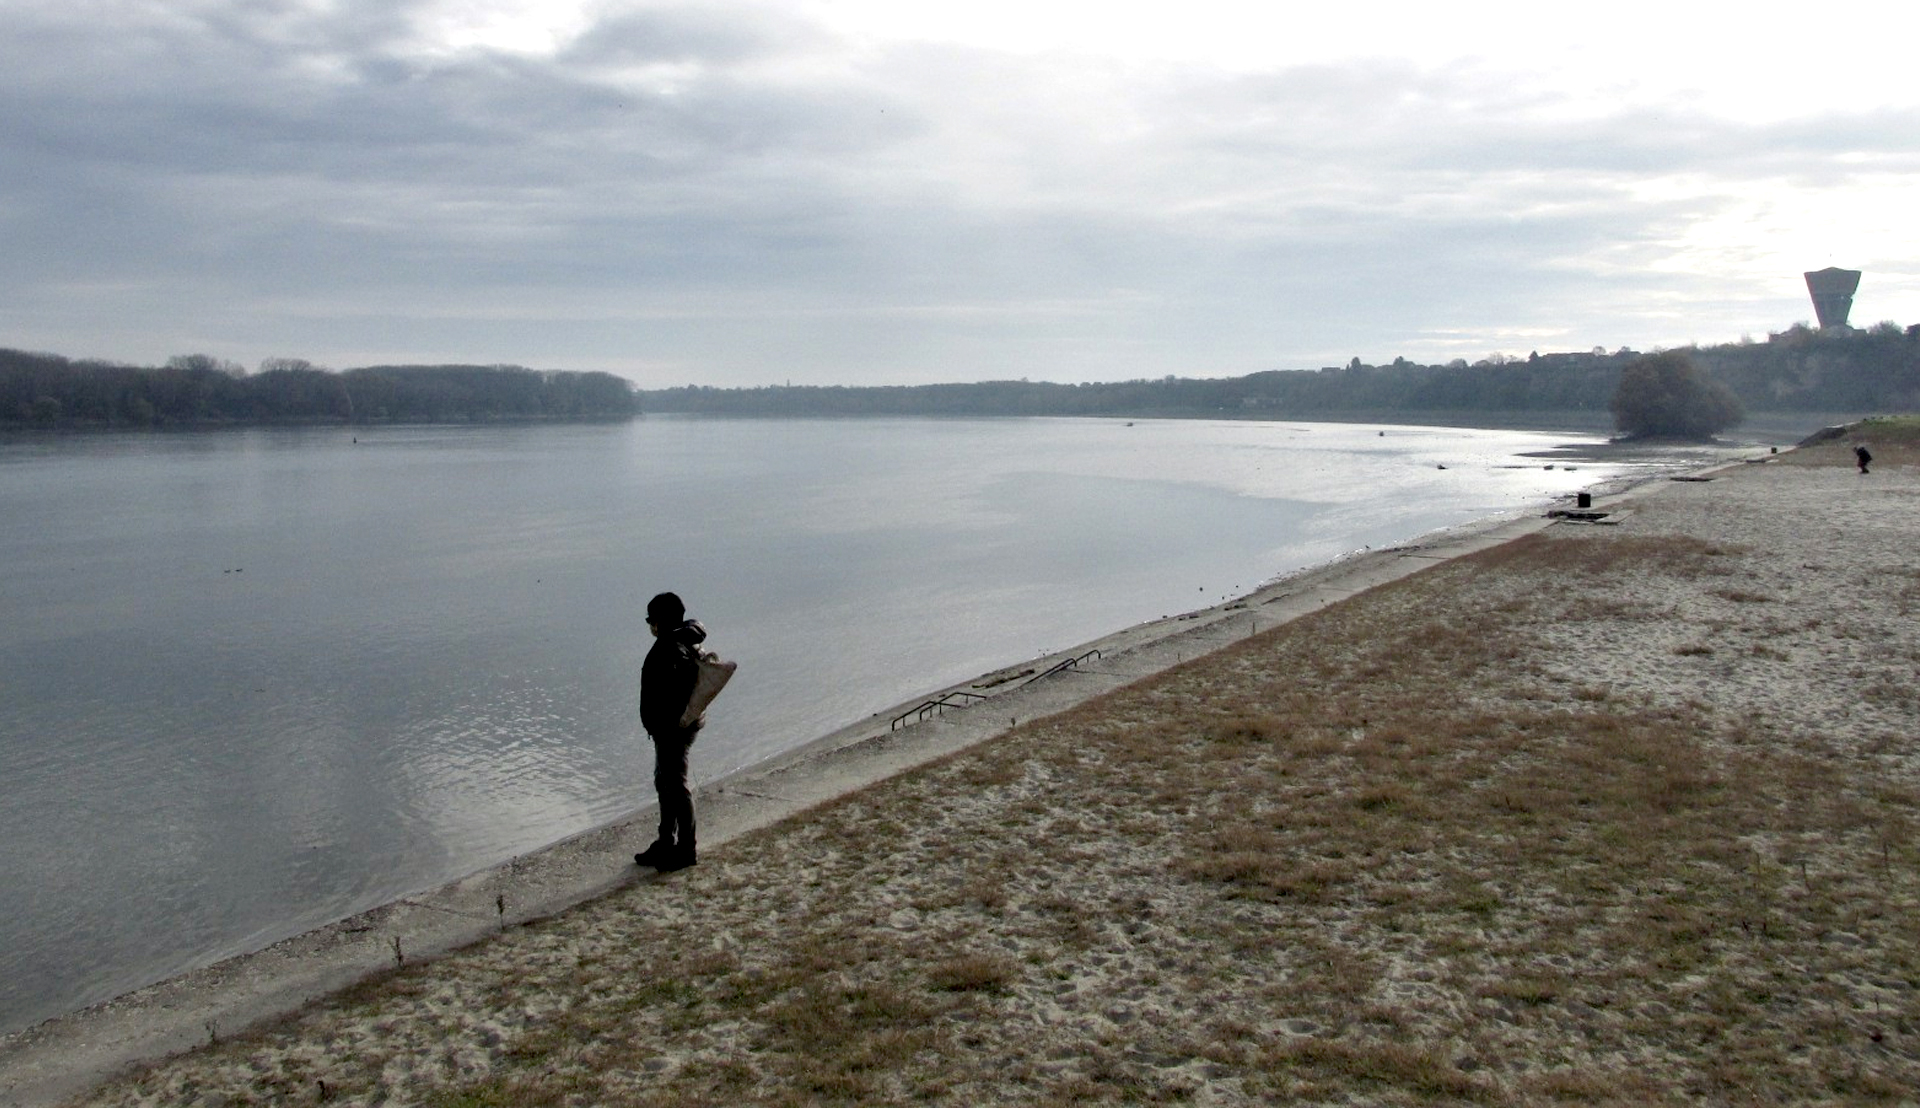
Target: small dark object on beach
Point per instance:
(1861, 456)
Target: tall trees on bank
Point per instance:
(1798, 370)
(1666, 395)
(195, 390)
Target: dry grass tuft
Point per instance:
(968, 973)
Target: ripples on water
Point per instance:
(252, 682)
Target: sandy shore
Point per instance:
(1616, 812)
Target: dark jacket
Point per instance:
(667, 677)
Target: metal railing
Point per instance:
(960, 698)
(1070, 663)
(956, 699)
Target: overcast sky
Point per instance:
(891, 191)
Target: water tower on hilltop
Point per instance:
(1832, 291)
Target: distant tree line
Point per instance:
(1357, 389)
(1803, 369)
(195, 390)
(1798, 370)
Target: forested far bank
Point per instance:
(1798, 370)
(46, 390)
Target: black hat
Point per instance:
(666, 610)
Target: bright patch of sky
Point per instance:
(859, 191)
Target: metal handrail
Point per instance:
(1070, 663)
(957, 698)
(960, 698)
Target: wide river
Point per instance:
(255, 681)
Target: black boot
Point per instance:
(655, 855)
(680, 857)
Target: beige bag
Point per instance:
(713, 676)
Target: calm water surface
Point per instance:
(255, 681)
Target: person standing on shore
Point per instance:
(666, 685)
(1861, 456)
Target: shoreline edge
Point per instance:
(64, 1055)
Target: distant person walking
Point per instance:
(1861, 456)
(666, 685)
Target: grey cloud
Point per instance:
(275, 88)
(390, 147)
(688, 35)
(1384, 116)
(668, 190)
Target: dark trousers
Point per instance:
(670, 782)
